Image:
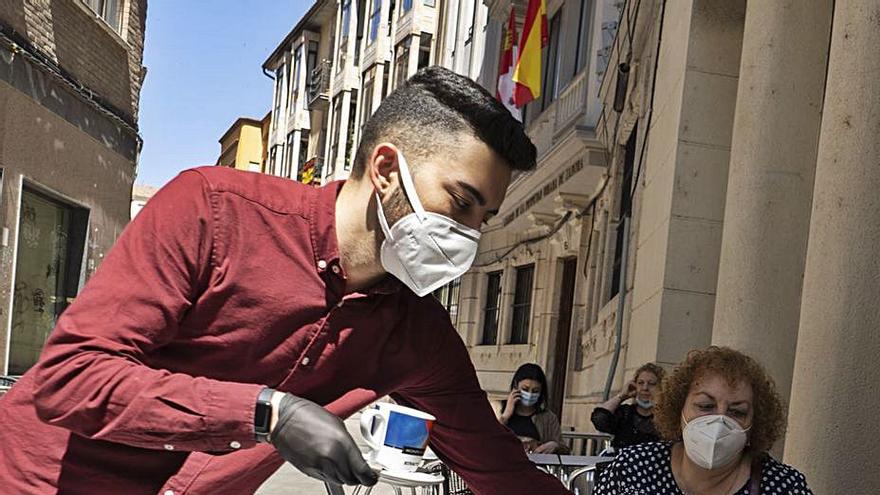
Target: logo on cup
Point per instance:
(397, 435)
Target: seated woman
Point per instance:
(631, 424)
(525, 413)
(719, 414)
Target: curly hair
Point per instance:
(659, 372)
(768, 421)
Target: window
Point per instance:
(551, 55)
(385, 72)
(491, 309)
(303, 153)
(375, 18)
(448, 297)
(429, 3)
(287, 165)
(367, 106)
(343, 34)
(522, 305)
(334, 138)
(107, 10)
(311, 63)
(294, 82)
(51, 244)
(273, 160)
(401, 63)
(583, 37)
(279, 92)
(406, 7)
(471, 20)
(625, 201)
(424, 50)
(349, 142)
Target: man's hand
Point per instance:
(317, 443)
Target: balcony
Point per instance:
(319, 86)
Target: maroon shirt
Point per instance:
(227, 282)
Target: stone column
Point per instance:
(834, 401)
(770, 182)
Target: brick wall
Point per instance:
(106, 63)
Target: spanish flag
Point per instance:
(527, 74)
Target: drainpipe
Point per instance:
(621, 299)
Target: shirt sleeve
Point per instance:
(92, 378)
(467, 436)
(604, 420)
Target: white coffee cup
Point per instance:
(397, 435)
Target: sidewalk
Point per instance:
(289, 481)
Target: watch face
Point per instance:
(262, 417)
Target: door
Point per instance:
(51, 239)
(559, 359)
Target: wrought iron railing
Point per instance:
(319, 85)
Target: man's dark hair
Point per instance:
(424, 115)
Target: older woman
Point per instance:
(525, 412)
(631, 424)
(719, 414)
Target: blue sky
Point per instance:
(204, 62)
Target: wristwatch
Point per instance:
(263, 415)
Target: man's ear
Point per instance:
(383, 169)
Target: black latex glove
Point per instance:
(317, 443)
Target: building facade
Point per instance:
(241, 146)
(728, 202)
(70, 79)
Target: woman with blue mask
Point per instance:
(525, 412)
(631, 424)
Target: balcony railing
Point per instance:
(319, 86)
(572, 103)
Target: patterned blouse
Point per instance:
(645, 469)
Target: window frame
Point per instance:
(521, 306)
(494, 288)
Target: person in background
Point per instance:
(719, 414)
(631, 424)
(525, 412)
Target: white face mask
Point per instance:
(644, 404)
(713, 441)
(425, 250)
(528, 399)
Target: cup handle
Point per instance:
(367, 418)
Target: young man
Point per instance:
(241, 315)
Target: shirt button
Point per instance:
(168, 446)
(168, 492)
(322, 264)
(234, 444)
(306, 361)
(335, 269)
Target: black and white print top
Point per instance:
(645, 470)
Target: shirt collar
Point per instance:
(322, 225)
(325, 244)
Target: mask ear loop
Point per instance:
(382, 220)
(409, 186)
